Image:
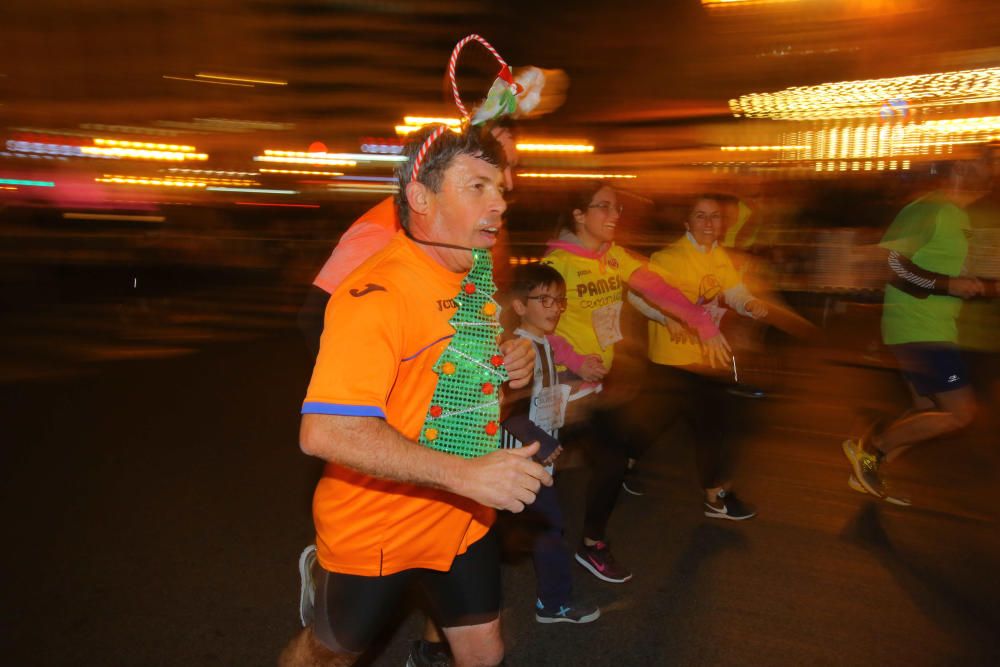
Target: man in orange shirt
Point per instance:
(389, 512)
(366, 236)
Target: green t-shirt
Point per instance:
(980, 320)
(933, 234)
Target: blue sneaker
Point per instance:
(566, 613)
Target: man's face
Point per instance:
(972, 178)
(468, 209)
(705, 221)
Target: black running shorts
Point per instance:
(351, 610)
(932, 368)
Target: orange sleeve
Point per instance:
(359, 355)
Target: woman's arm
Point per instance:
(671, 301)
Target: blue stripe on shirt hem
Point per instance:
(316, 408)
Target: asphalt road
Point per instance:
(154, 510)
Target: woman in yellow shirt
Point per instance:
(596, 271)
(702, 270)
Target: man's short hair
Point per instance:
(970, 172)
(475, 142)
(529, 276)
(973, 173)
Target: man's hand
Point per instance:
(506, 479)
(756, 308)
(519, 360)
(716, 349)
(592, 369)
(965, 288)
(678, 332)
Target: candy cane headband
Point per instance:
(504, 75)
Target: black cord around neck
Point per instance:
(436, 244)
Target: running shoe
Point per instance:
(632, 484)
(732, 508)
(865, 468)
(307, 585)
(746, 391)
(633, 487)
(428, 654)
(903, 501)
(600, 563)
(566, 613)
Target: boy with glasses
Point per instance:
(535, 413)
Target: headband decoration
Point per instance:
(518, 96)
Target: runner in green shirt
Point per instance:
(926, 248)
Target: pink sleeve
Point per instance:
(564, 354)
(670, 300)
(358, 243)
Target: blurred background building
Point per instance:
(161, 147)
(668, 84)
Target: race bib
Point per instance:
(548, 407)
(607, 324)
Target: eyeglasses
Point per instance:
(607, 207)
(547, 300)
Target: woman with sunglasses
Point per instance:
(596, 271)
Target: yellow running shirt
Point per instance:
(702, 277)
(595, 284)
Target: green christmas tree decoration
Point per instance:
(464, 414)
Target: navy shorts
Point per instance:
(932, 368)
(351, 610)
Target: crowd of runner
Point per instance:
(431, 422)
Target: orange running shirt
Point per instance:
(377, 360)
(369, 234)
